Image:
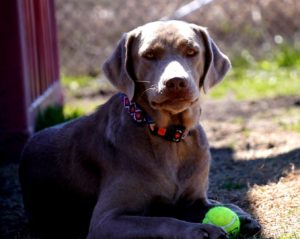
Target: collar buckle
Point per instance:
(179, 135)
(174, 133)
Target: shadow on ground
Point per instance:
(231, 180)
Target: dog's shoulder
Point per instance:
(199, 137)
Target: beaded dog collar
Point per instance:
(174, 133)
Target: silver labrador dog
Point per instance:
(138, 167)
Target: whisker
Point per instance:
(151, 88)
(143, 81)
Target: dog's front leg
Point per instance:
(117, 225)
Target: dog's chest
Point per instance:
(179, 167)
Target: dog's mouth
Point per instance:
(175, 105)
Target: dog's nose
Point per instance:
(176, 83)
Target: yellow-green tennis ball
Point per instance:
(225, 218)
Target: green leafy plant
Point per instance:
(56, 114)
(74, 82)
(288, 56)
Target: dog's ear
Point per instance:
(118, 68)
(216, 63)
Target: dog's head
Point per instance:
(166, 64)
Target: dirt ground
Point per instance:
(256, 164)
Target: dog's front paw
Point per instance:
(203, 231)
(249, 226)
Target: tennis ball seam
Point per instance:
(234, 219)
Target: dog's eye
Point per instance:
(191, 52)
(149, 55)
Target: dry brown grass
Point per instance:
(277, 206)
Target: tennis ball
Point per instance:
(224, 218)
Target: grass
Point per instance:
(77, 83)
(256, 83)
(289, 236)
(56, 114)
(251, 80)
(74, 82)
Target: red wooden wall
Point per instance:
(29, 70)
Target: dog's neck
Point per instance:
(188, 118)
